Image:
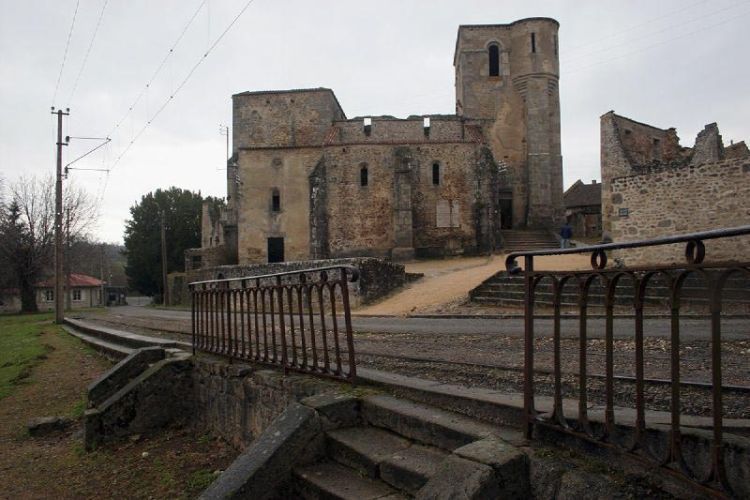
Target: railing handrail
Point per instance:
(353, 275)
(664, 240)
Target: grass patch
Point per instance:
(20, 347)
(200, 480)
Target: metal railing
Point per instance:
(610, 431)
(288, 319)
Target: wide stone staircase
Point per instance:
(514, 240)
(503, 289)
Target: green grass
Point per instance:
(20, 347)
(200, 480)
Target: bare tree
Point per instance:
(27, 230)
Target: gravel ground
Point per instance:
(494, 360)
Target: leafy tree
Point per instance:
(182, 219)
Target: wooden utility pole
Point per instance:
(68, 303)
(58, 219)
(102, 299)
(165, 284)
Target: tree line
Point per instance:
(27, 220)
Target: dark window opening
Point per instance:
(363, 180)
(275, 249)
(275, 201)
(436, 174)
(494, 60)
(197, 260)
(533, 42)
(555, 44)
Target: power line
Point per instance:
(606, 48)
(182, 84)
(65, 54)
(88, 51)
(614, 58)
(158, 69)
(617, 34)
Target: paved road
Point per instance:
(691, 329)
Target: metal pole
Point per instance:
(165, 283)
(59, 313)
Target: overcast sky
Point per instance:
(667, 63)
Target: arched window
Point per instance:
(275, 201)
(363, 176)
(494, 52)
(436, 174)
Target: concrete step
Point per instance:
(329, 480)
(111, 350)
(429, 425)
(410, 469)
(363, 448)
(124, 338)
(377, 453)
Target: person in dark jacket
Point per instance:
(566, 232)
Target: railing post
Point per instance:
(193, 324)
(280, 291)
(528, 359)
(348, 325)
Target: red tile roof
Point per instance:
(76, 280)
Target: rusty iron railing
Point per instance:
(609, 432)
(287, 319)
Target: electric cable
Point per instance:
(181, 85)
(65, 53)
(88, 51)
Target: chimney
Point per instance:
(593, 181)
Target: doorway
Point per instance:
(275, 249)
(505, 199)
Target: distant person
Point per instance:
(566, 232)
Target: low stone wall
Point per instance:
(238, 402)
(377, 277)
(670, 200)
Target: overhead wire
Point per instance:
(65, 53)
(88, 51)
(607, 48)
(158, 69)
(181, 85)
(633, 27)
(661, 42)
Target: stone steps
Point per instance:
(520, 239)
(509, 290)
(401, 449)
(110, 350)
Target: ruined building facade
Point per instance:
(306, 182)
(652, 186)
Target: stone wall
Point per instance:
(666, 200)
(237, 402)
(364, 220)
(289, 118)
(376, 277)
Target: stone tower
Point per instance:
(507, 81)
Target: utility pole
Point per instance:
(102, 300)
(68, 303)
(165, 284)
(58, 219)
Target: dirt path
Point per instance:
(177, 464)
(447, 282)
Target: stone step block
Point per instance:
(410, 469)
(363, 448)
(430, 425)
(332, 481)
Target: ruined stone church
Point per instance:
(306, 182)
